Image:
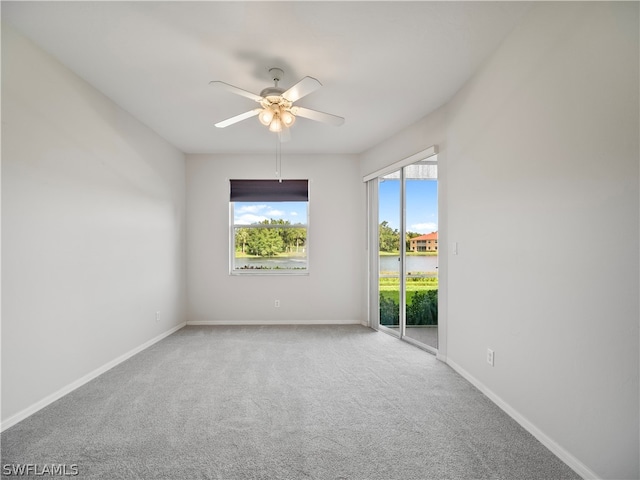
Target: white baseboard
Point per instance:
(18, 417)
(579, 467)
(275, 322)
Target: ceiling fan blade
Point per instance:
(236, 90)
(317, 116)
(238, 118)
(304, 87)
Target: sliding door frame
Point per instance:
(371, 181)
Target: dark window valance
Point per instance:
(269, 190)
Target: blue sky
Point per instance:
(246, 213)
(422, 207)
(422, 204)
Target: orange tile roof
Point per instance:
(428, 236)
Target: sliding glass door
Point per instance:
(421, 253)
(389, 246)
(408, 253)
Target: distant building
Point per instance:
(424, 243)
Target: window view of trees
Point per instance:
(269, 221)
(407, 203)
(421, 285)
(422, 308)
(270, 241)
(390, 238)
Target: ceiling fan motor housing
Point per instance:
(272, 92)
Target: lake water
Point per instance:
(422, 263)
(280, 262)
(388, 263)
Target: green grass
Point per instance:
(389, 287)
(415, 283)
(395, 295)
(410, 254)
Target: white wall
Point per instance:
(332, 292)
(541, 151)
(93, 230)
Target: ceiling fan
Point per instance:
(277, 110)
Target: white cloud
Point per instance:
(254, 213)
(250, 209)
(248, 219)
(427, 227)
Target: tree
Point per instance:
(389, 311)
(298, 237)
(268, 242)
(423, 309)
(389, 239)
(265, 242)
(242, 236)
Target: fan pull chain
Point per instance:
(279, 158)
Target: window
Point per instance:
(269, 223)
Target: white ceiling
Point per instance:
(383, 65)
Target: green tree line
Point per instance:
(269, 242)
(390, 238)
(422, 309)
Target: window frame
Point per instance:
(262, 272)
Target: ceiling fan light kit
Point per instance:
(278, 112)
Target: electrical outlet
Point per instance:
(277, 304)
(490, 356)
(157, 317)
